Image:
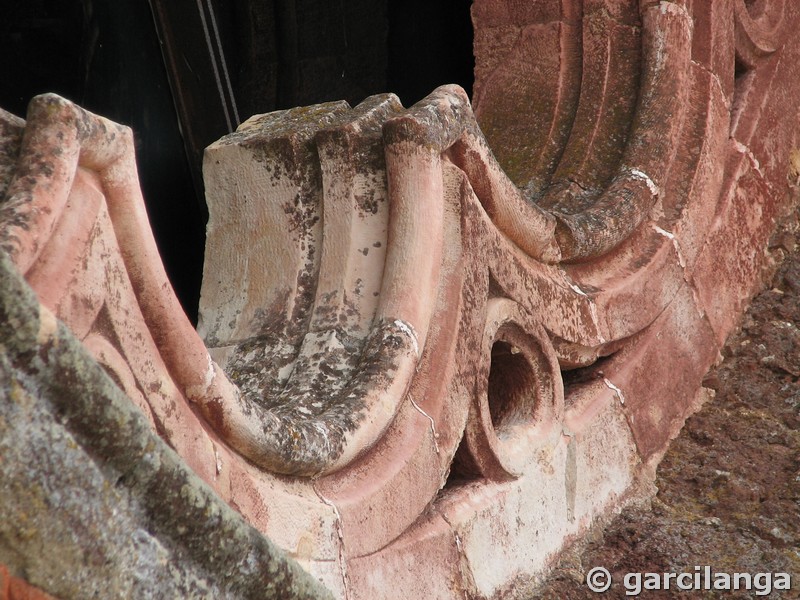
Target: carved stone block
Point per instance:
(435, 343)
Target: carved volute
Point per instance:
(434, 342)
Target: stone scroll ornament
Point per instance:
(435, 343)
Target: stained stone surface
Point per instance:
(729, 485)
(436, 363)
(94, 503)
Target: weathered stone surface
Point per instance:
(445, 341)
(87, 482)
(727, 486)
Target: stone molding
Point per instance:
(435, 343)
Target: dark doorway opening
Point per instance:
(430, 44)
(113, 59)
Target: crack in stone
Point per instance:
(617, 392)
(749, 154)
(467, 579)
(642, 176)
(676, 244)
(592, 309)
(340, 534)
(433, 423)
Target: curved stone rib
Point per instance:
(758, 35)
(626, 203)
(59, 138)
(321, 419)
(355, 218)
(54, 127)
(529, 82)
(266, 240)
(527, 225)
(313, 428)
(609, 90)
(289, 438)
(317, 402)
(648, 155)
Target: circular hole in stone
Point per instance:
(512, 387)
